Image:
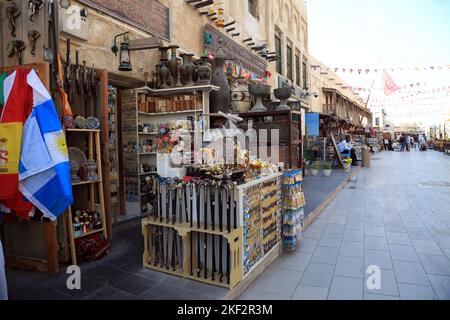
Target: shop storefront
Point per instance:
(216, 206)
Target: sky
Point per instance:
(383, 33)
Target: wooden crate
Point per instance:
(188, 234)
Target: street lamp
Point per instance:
(125, 57)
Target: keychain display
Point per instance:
(262, 221)
(293, 212)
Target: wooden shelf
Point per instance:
(85, 182)
(177, 90)
(169, 113)
(147, 153)
(89, 233)
(186, 226)
(83, 130)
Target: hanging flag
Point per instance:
(389, 85)
(336, 69)
(18, 106)
(359, 71)
(367, 71)
(44, 171)
(351, 70)
(343, 69)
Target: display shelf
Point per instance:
(169, 113)
(95, 200)
(178, 90)
(83, 130)
(148, 153)
(85, 182)
(90, 233)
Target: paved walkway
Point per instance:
(395, 215)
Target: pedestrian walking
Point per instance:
(402, 141)
(408, 143)
(386, 145)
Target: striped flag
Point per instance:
(44, 170)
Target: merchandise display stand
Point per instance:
(179, 245)
(96, 197)
(146, 107)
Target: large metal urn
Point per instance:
(241, 100)
(220, 100)
(259, 91)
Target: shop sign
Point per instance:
(234, 51)
(148, 15)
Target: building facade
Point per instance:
(330, 98)
(282, 25)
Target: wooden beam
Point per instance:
(103, 76)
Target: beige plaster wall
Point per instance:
(187, 31)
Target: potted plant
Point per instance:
(347, 163)
(326, 168)
(315, 167)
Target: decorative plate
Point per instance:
(81, 122)
(69, 122)
(92, 123)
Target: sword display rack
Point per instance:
(200, 230)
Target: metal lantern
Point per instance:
(125, 57)
(220, 23)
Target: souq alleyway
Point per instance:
(395, 215)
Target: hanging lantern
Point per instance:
(125, 57)
(220, 23)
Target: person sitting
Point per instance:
(346, 149)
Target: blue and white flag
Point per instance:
(44, 170)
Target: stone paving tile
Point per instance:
(135, 285)
(346, 289)
(308, 245)
(332, 228)
(394, 227)
(353, 235)
(441, 286)
(419, 234)
(318, 275)
(388, 285)
(375, 231)
(281, 283)
(349, 267)
(398, 238)
(427, 247)
(352, 249)
(436, 265)
(330, 240)
(354, 225)
(294, 262)
(337, 219)
(304, 292)
(381, 259)
(403, 253)
(410, 273)
(326, 255)
(370, 296)
(413, 292)
(313, 233)
(376, 243)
